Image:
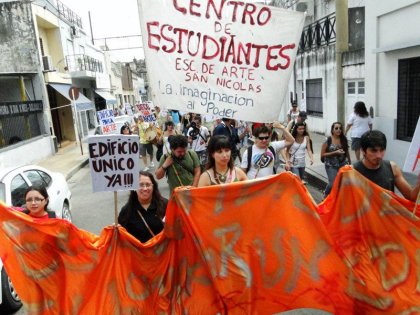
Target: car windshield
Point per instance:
(2, 192)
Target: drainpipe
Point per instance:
(341, 46)
(24, 99)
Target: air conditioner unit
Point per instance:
(306, 6)
(47, 62)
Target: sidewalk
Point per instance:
(67, 160)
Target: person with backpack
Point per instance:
(181, 166)
(258, 159)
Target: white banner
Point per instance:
(114, 162)
(106, 121)
(221, 58)
(412, 161)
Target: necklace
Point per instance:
(221, 177)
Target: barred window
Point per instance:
(408, 97)
(314, 97)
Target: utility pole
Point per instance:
(341, 46)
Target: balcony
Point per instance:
(69, 15)
(83, 66)
(318, 34)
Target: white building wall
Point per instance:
(40, 148)
(392, 33)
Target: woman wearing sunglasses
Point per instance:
(335, 154)
(36, 203)
(144, 213)
(220, 168)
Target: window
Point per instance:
(351, 87)
(36, 178)
(18, 188)
(408, 97)
(314, 97)
(361, 87)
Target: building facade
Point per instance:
(393, 71)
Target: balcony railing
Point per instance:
(82, 62)
(68, 14)
(318, 34)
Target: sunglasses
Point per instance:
(264, 138)
(337, 128)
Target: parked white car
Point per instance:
(13, 184)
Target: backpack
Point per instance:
(328, 145)
(249, 152)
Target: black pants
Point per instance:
(159, 151)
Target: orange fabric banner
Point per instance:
(255, 247)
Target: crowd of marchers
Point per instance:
(192, 150)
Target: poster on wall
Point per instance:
(114, 162)
(221, 58)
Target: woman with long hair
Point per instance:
(335, 153)
(295, 155)
(169, 131)
(220, 168)
(359, 122)
(144, 213)
(36, 203)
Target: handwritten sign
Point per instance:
(106, 121)
(146, 112)
(412, 161)
(222, 58)
(114, 162)
(128, 109)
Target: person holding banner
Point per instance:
(36, 202)
(144, 213)
(181, 166)
(384, 173)
(220, 168)
(225, 128)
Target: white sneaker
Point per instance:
(146, 169)
(152, 165)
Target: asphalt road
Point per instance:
(94, 211)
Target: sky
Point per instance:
(110, 19)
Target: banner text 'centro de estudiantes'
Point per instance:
(221, 58)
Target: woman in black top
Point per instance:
(143, 214)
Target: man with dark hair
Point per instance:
(258, 159)
(181, 166)
(225, 128)
(382, 172)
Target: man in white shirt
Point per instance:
(258, 160)
(198, 136)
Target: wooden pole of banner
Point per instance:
(416, 204)
(116, 207)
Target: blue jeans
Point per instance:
(299, 171)
(332, 174)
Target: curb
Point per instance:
(76, 168)
(315, 179)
